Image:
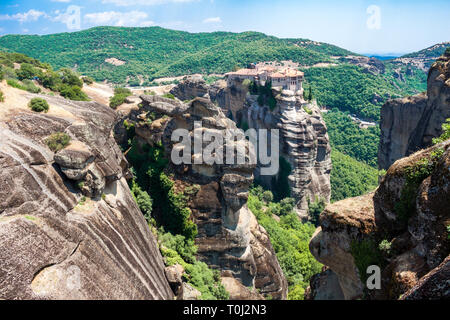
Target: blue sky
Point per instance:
(374, 26)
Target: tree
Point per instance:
(267, 196)
(26, 71)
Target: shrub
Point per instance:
(39, 105)
(27, 71)
(267, 196)
(51, 80)
(15, 84)
(315, 209)
(286, 206)
(73, 92)
(385, 247)
(121, 90)
(307, 110)
(169, 96)
(2, 97)
(70, 78)
(143, 200)
(87, 80)
(58, 141)
(445, 130)
(117, 100)
(120, 95)
(365, 254)
(30, 86)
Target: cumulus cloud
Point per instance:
(30, 15)
(213, 20)
(119, 19)
(127, 3)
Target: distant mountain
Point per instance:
(423, 59)
(434, 51)
(138, 55)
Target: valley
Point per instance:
(88, 121)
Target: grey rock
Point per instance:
(52, 247)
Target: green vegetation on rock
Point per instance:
(289, 238)
(120, 95)
(57, 141)
(38, 105)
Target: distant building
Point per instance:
(285, 77)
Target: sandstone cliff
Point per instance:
(229, 237)
(56, 243)
(402, 228)
(303, 137)
(410, 124)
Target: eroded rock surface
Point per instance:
(303, 136)
(54, 244)
(229, 237)
(409, 124)
(409, 212)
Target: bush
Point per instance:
(445, 130)
(73, 92)
(58, 141)
(15, 84)
(366, 253)
(267, 196)
(169, 96)
(39, 105)
(2, 97)
(51, 80)
(87, 80)
(30, 86)
(27, 71)
(70, 78)
(120, 95)
(315, 209)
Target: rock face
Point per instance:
(410, 124)
(304, 144)
(371, 65)
(303, 137)
(409, 212)
(229, 237)
(190, 88)
(54, 244)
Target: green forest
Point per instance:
(156, 52)
(350, 88)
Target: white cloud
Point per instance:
(119, 19)
(127, 3)
(30, 15)
(213, 20)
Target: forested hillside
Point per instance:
(137, 56)
(156, 52)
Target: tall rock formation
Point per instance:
(229, 237)
(410, 124)
(402, 228)
(54, 242)
(303, 137)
